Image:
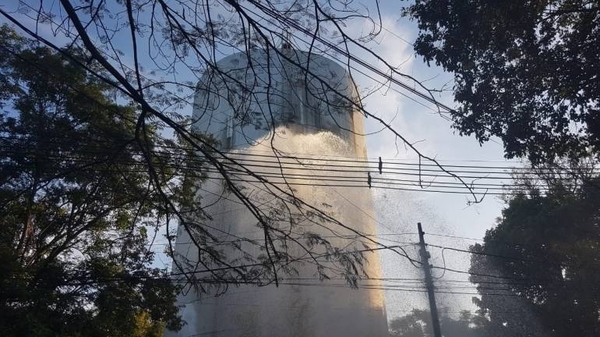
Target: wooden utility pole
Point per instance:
(435, 321)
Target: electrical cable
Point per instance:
(293, 161)
(488, 254)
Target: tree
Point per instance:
(544, 249)
(415, 324)
(418, 324)
(76, 212)
(524, 71)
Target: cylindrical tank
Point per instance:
(259, 106)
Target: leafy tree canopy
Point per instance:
(75, 212)
(548, 248)
(525, 71)
(418, 324)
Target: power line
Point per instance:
(489, 254)
(303, 161)
(283, 282)
(480, 274)
(420, 174)
(343, 52)
(425, 179)
(399, 84)
(359, 61)
(296, 165)
(291, 179)
(456, 237)
(283, 19)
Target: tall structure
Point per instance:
(256, 102)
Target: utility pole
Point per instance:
(435, 321)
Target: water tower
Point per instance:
(255, 102)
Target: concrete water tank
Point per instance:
(255, 102)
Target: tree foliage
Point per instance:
(418, 324)
(546, 248)
(76, 212)
(525, 71)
